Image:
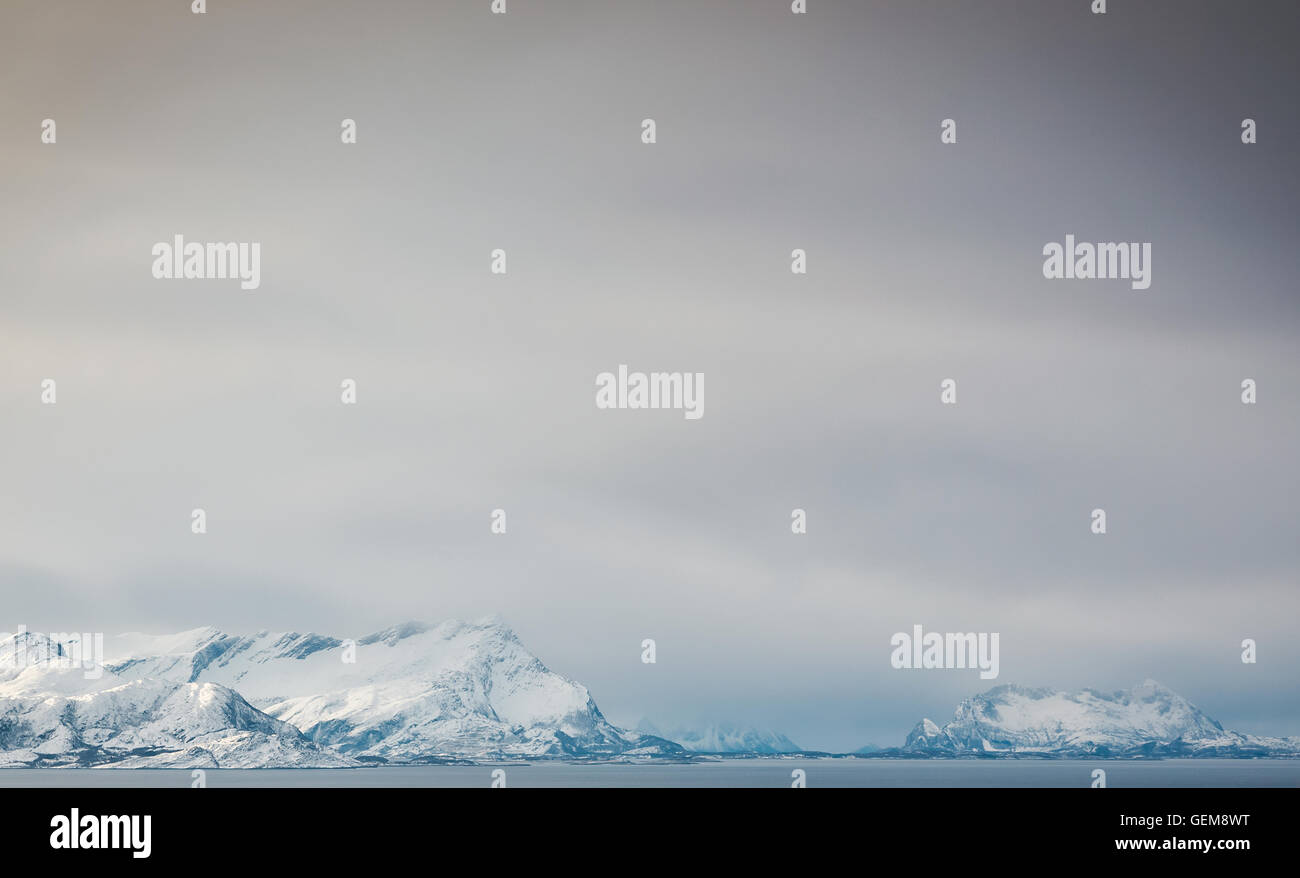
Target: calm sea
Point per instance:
(728, 773)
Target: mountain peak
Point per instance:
(394, 634)
(724, 737)
(1148, 719)
(406, 694)
(1005, 690)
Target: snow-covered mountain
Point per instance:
(52, 713)
(417, 693)
(413, 693)
(1146, 720)
(725, 738)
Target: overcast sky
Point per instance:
(476, 391)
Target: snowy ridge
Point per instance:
(412, 693)
(1146, 720)
(460, 691)
(53, 714)
(726, 738)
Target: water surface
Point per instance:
(726, 773)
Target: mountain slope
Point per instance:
(726, 738)
(412, 693)
(52, 714)
(1146, 720)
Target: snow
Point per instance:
(53, 713)
(413, 692)
(726, 737)
(1148, 717)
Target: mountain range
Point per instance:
(1146, 720)
(725, 738)
(470, 692)
(51, 714)
(410, 694)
